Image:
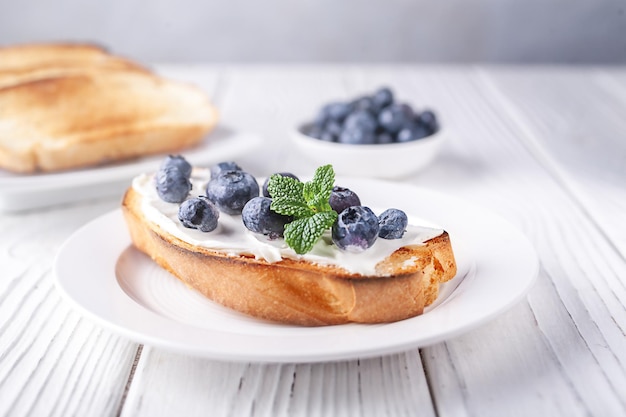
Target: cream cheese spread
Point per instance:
(233, 238)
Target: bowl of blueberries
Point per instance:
(373, 136)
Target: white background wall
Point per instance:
(563, 31)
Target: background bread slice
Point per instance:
(19, 57)
(97, 116)
(65, 106)
(23, 63)
(299, 292)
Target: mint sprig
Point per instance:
(307, 203)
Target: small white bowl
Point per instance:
(393, 160)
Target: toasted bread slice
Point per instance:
(97, 116)
(296, 291)
(19, 57)
(28, 62)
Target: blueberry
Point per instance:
(258, 217)
(342, 198)
(405, 134)
(267, 181)
(231, 190)
(330, 132)
(392, 223)
(421, 132)
(334, 128)
(337, 111)
(393, 118)
(357, 137)
(407, 109)
(383, 97)
(198, 213)
(217, 169)
(356, 229)
(326, 136)
(428, 120)
(172, 185)
(364, 103)
(179, 162)
(321, 118)
(412, 132)
(361, 120)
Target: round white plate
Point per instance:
(110, 281)
(20, 192)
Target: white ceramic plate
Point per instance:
(108, 280)
(20, 192)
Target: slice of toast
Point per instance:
(65, 106)
(20, 57)
(297, 291)
(28, 62)
(97, 116)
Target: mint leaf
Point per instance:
(320, 186)
(307, 203)
(302, 234)
(320, 203)
(309, 191)
(280, 186)
(291, 207)
(324, 178)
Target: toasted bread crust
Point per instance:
(35, 55)
(299, 292)
(65, 106)
(28, 62)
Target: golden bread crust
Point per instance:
(74, 106)
(29, 62)
(299, 292)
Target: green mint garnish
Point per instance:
(307, 203)
(302, 234)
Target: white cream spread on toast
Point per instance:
(233, 238)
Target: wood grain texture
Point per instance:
(52, 361)
(391, 385)
(514, 177)
(578, 133)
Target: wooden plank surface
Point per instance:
(391, 385)
(542, 147)
(52, 361)
(577, 133)
(576, 311)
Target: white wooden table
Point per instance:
(544, 147)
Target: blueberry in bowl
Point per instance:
(373, 135)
